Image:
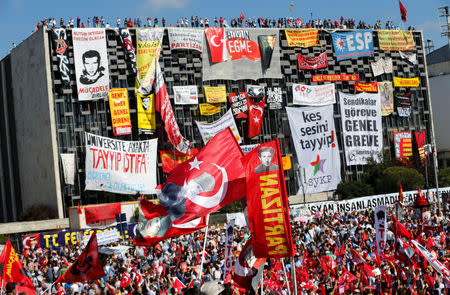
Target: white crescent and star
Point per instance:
(213, 38)
(195, 164)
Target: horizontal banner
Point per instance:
(335, 77)
(302, 38)
(394, 40)
(209, 130)
(215, 94)
(104, 212)
(353, 44)
(366, 87)
(181, 38)
(208, 109)
(185, 94)
(308, 63)
(406, 82)
(313, 95)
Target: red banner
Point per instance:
(255, 116)
(30, 240)
(366, 87)
(336, 77)
(421, 138)
(168, 162)
(215, 37)
(98, 213)
(309, 63)
(267, 202)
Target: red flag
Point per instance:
(255, 116)
(402, 11)
(138, 279)
(267, 202)
(246, 267)
(400, 193)
(215, 37)
(400, 230)
(356, 258)
(346, 277)
(211, 180)
(126, 280)
(168, 162)
(104, 212)
(80, 211)
(403, 251)
(442, 239)
(413, 292)
(242, 16)
(111, 289)
(178, 285)
(87, 267)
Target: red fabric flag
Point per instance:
(138, 278)
(246, 267)
(431, 243)
(400, 230)
(356, 258)
(126, 280)
(178, 285)
(403, 251)
(168, 162)
(267, 202)
(242, 16)
(111, 289)
(87, 267)
(400, 193)
(211, 180)
(368, 269)
(80, 211)
(215, 37)
(255, 116)
(104, 212)
(442, 239)
(346, 277)
(403, 11)
(413, 292)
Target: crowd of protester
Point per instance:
(317, 236)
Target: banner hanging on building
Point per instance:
(127, 45)
(266, 45)
(274, 98)
(256, 103)
(59, 38)
(406, 82)
(396, 40)
(146, 113)
(366, 87)
(91, 63)
(68, 163)
(386, 92)
(104, 212)
(353, 44)
(239, 104)
(149, 43)
(313, 95)
(215, 94)
(312, 63)
(316, 147)
(229, 239)
(335, 77)
(382, 66)
(302, 38)
(403, 144)
(380, 228)
(183, 38)
(421, 140)
(208, 109)
(185, 94)
(208, 130)
(167, 158)
(120, 111)
(361, 124)
(403, 103)
(118, 166)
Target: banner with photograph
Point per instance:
(128, 48)
(185, 38)
(316, 147)
(59, 39)
(353, 44)
(208, 109)
(302, 38)
(167, 158)
(239, 104)
(366, 87)
(208, 130)
(406, 82)
(386, 92)
(146, 113)
(403, 144)
(235, 54)
(335, 77)
(380, 228)
(215, 94)
(68, 163)
(403, 103)
(361, 124)
(312, 63)
(396, 40)
(229, 239)
(185, 94)
(120, 111)
(274, 98)
(313, 95)
(91, 63)
(118, 166)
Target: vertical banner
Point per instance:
(91, 63)
(353, 44)
(274, 98)
(229, 234)
(118, 166)
(209, 130)
(403, 103)
(128, 48)
(361, 124)
(146, 113)
(267, 202)
(59, 38)
(255, 102)
(185, 94)
(316, 147)
(239, 104)
(380, 228)
(421, 139)
(386, 92)
(403, 144)
(120, 111)
(68, 163)
(266, 45)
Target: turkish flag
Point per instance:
(346, 277)
(356, 258)
(255, 116)
(87, 267)
(215, 37)
(126, 280)
(178, 285)
(138, 279)
(246, 267)
(400, 230)
(104, 212)
(403, 11)
(242, 16)
(211, 180)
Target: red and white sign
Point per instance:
(380, 228)
(229, 234)
(215, 37)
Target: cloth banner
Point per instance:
(239, 104)
(68, 163)
(406, 82)
(183, 38)
(316, 147)
(59, 39)
(266, 45)
(208, 109)
(421, 139)
(248, 148)
(105, 212)
(380, 228)
(91, 63)
(403, 103)
(215, 94)
(436, 264)
(167, 158)
(274, 98)
(313, 95)
(146, 113)
(308, 63)
(382, 66)
(229, 238)
(403, 144)
(120, 111)
(361, 124)
(302, 38)
(409, 57)
(208, 130)
(30, 241)
(104, 238)
(267, 202)
(386, 92)
(353, 44)
(185, 94)
(118, 166)
(128, 48)
(396, 40)
(248, 269)
(335, 77)
(255, 102)
(240, 49)
(239, 219)
(149, 44)
(366, 87)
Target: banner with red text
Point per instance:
(366, 87)
(318, 95)
(335, 77)
(421, 139)
(229, 238)
(380, 228)
(396, 40)
(302, 38)
(120, 111)
(312, 63)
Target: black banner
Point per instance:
(128, 49)
(239, 104)
(266, 45)
(59, 39)
(403, 103)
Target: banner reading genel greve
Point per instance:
(395, 40)
(120, 111)
(302, 38)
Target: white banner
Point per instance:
(208, 130)
(104, 238)
(436, 264)
(361, 127)
(229, 234)
(68, 163)
(248, 148)
(316, 147)
(185, 94)
(380, 228)
(91, 63)
(314, 95)
(181, 38)
(118, 166)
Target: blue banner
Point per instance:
(353, 44)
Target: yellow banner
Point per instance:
(302, 38)
(406, 82)
(394, 40)
(146, 113)
(287, 165)
(215, 94)
(120, 111)
(207, 109)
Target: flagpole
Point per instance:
(204, 246)
(293, 275)
(285, 275)
(262, 283)
(48, 288)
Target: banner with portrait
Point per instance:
(229, 239)
(120, 111)
(91, 63)
(185, 38)
(209, 130)
(185, 94)
(302, 38)
(396, 40)
(318, 95)
(380, 228)
(146, 113)
(312, 63)
(386, 92)
(215, 94)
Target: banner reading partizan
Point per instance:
(313, 95)
(185, 94)
(380, 228)
(209, 130)
(361, 124)
(183, 38)
(395, 40)
(118, 166)
(302, 38)
(120, 111)
(91, 63)
(316, 147)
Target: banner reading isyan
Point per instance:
(313, 95)
(118, 166)
(91, 63)
(316, 147)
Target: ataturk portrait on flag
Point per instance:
(265, 155)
